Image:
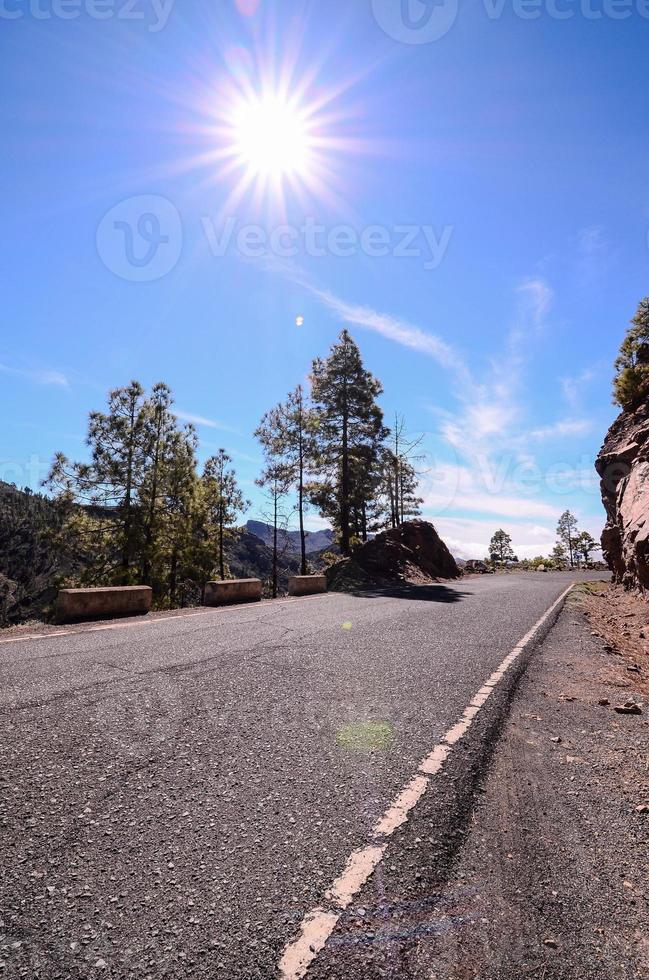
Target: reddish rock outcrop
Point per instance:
(623, 466)
(411, 554)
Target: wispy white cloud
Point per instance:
(482, 488)
(537, 298)
(40, 376)
(593, 255)
(573, 386)
(562, 428)
(201, 420)
(235, 453)
(487, 430)
(393, 328)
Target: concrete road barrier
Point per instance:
(307, 584)
(74, 605)
(232, 590)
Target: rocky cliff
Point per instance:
(413, 553)
(623, 466)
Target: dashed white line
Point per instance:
(319, 923)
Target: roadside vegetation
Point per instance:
(631, 381)
(141, 511)
(574, 549)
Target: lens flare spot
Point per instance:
(365, 735)
(247, 7)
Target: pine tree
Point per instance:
(276, 479)
(110, 483)
(348, 431)
(400, 474)
(558, 555)
(121, 511)
(567, 533)
(631, 382)
(500, 548)
(224, 500)
(286, 435)
(584, 545)
(178, 496)
(161, 439)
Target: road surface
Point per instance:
(178, 797)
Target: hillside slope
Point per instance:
(289, 541)
(32, 569)
(29, 566)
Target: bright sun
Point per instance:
(276, 137)
(271, 137)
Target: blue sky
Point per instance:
(473, 205)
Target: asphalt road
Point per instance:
(176, 795)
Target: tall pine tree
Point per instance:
(286, 435)
(224, 500)
(348, 433)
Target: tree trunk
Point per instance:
(173, 578)
(303, 569)
(148, 544)
(127, 549)
(393, 506)
(344, 487)
(221, 561)
(274, 580)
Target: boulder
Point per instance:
(412, 554)
(623, 467)
(474, 565)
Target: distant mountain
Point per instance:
(248, 557)
(289, 541)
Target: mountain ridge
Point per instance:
(289, 541)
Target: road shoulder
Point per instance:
(552, 881)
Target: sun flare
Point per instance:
(278, 138)
(270, 136)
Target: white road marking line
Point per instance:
(434, 760)
(360, 865)
(319, 923)
(316, 928)
(398, 812)
(161, 619)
